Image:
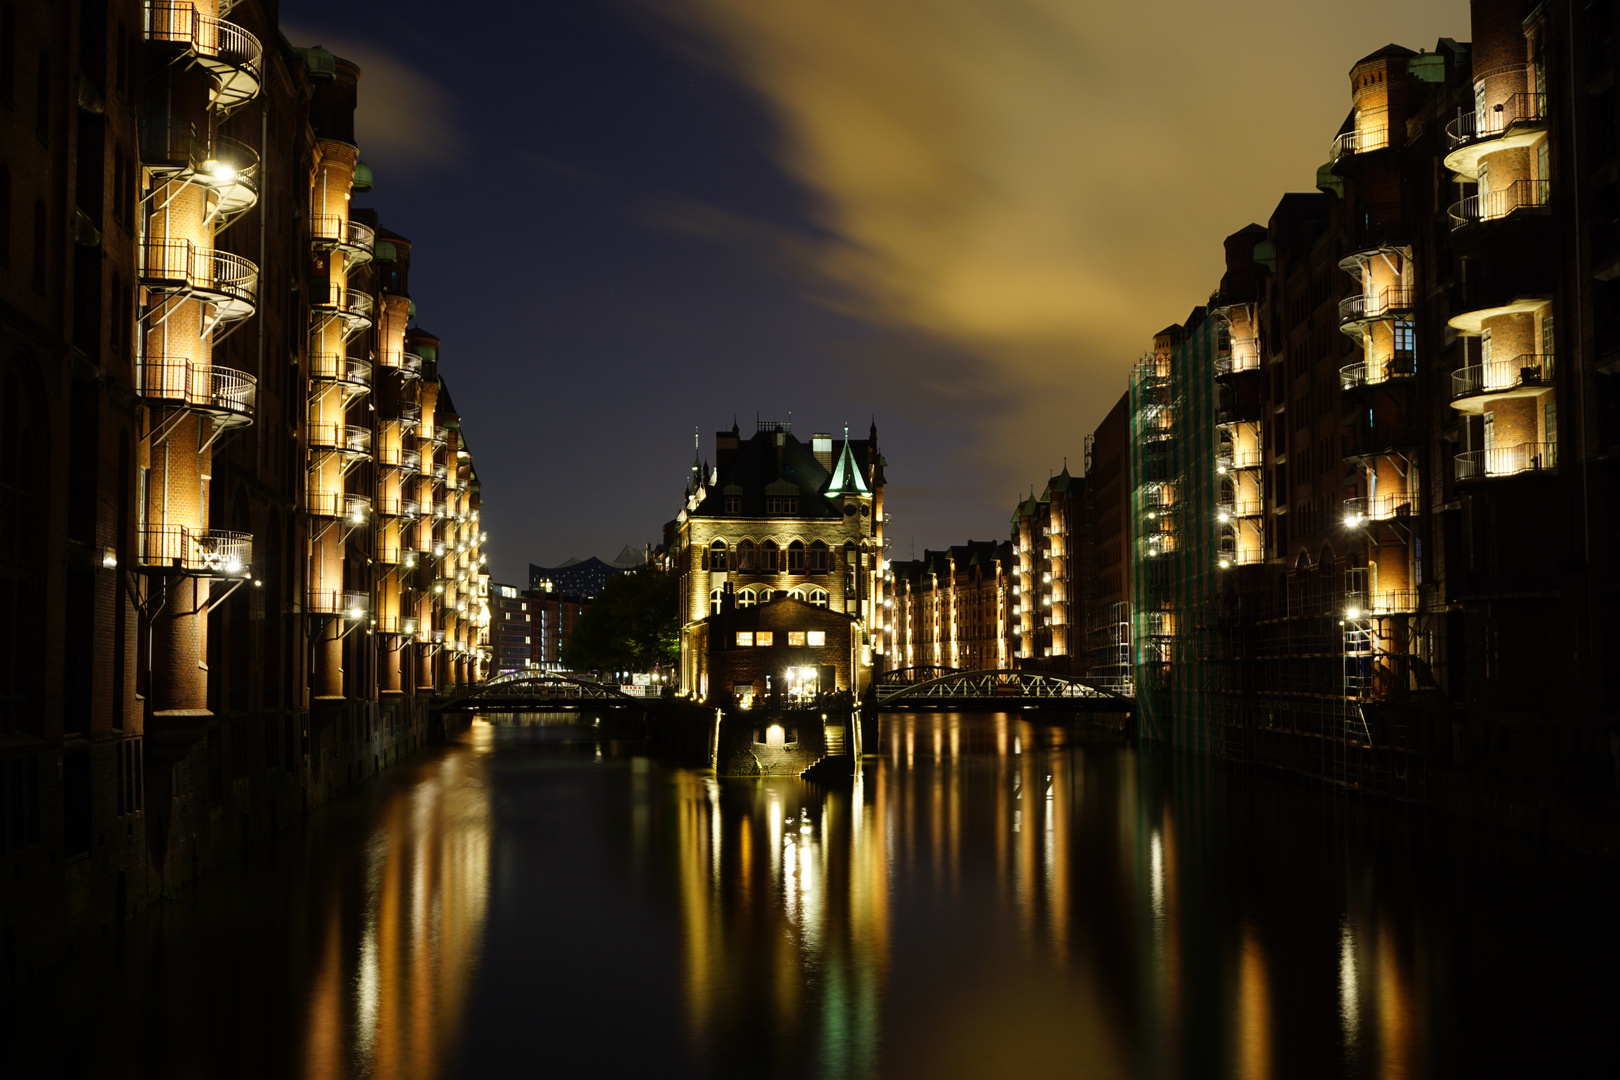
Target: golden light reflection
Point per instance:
(423, 902)
(1254, 1010)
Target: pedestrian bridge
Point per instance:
(999, 689)
(537, 690)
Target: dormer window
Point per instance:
(733, 504)
(781, 505)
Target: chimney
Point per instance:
(821, 446)
(725, 448)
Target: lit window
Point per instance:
(765, 596)
(795, 639)
(714, 601)
(764, 637)
(818, 597)
(816, 638)
(745, 639)
(745, 598)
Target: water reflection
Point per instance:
(992, 896)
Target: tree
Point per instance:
(632, 624)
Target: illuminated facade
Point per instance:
(1049, 606)
(1409, 551)
(779, 519)
(956, 608)
(224, 606)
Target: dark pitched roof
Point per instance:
(760, 468)
(1388, 52)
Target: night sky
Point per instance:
(637, 218)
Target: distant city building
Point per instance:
(586, 577)
(529, 627)
(794, 528)
(955, 608)
(1050, 590)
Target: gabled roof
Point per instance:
(761, 468)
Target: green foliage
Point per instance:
(633, 624)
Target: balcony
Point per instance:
(395, 624)
(222, 393)
(405, 412)
(331, 437)
(228, 283)
(211, 553)
(1364, 140)
(1359, 511)
(355, 240)
(351, 509)
(1370, 307)
(394, 456)
(1507, 461)
(1376, 373)
(1475, 387)
(352, 606)
(408, 364)
(1234, 459)
(229, 53)
(396, 506)
(1516, 122)
(389, 552)
(227, 168)
(1381, 602)
(348, 371)
(1496, 205)
(1241, 354)
(440, 472)
(352, 307)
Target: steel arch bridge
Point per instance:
(1001, 688)
(538, 690)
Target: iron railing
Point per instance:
(332, 436)
(336, 367)
(1376, 372)
(1377, 508)
(213, 389)
(1507, 460)
(350, 605)
(1396, 298)
(1517, 109)
(341, 232)
(352, 304)
(219, 277)
(1529, 370)
(199, 552)
(354, 509)
(1494, 205)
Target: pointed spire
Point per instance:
(846, 476)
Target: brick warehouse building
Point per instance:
(1372, 533)
(955, 608)
(238, 523)
(774, 519)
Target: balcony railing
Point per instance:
(197, 552)
(1530, 371)
(1381, 602)
(1233, 459)
(230, 53)
(335, 367)
(332, 437)
(396, 624)
(388, 552)
(394, 456)
(1360, 510)
(355, 239)
(352, 509)
(350, 605)
(406, 412)
(396, 506)
(1374, 373)
(1507, 460)
(439, 471)
(227, 394)
(1363, 140)
(1526, 109)
(1366, 306)
(352, 306)
(227, 167)
(228, 282)
(1492, 206)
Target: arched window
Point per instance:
(714, 600)
(765, 596)
(796, 594)
(745, 598)
(818, 597)
(795, 563)
(39, 245)
(42, 105)
(717, 555)
(850, 558)
(818, 557)
(745, 555)
(8, 55)
(5, 213)
(770, 557)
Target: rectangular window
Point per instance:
(765, 637)
(816, 638)
(795, 638)
(745, 639)
(733, 504)
(782, 504)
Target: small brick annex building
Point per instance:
(783, 649)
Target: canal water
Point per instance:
(991, 897)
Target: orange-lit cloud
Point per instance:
(1040, 185)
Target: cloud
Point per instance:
(1039, 185)
(404, 121)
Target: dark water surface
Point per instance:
(991, 898)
